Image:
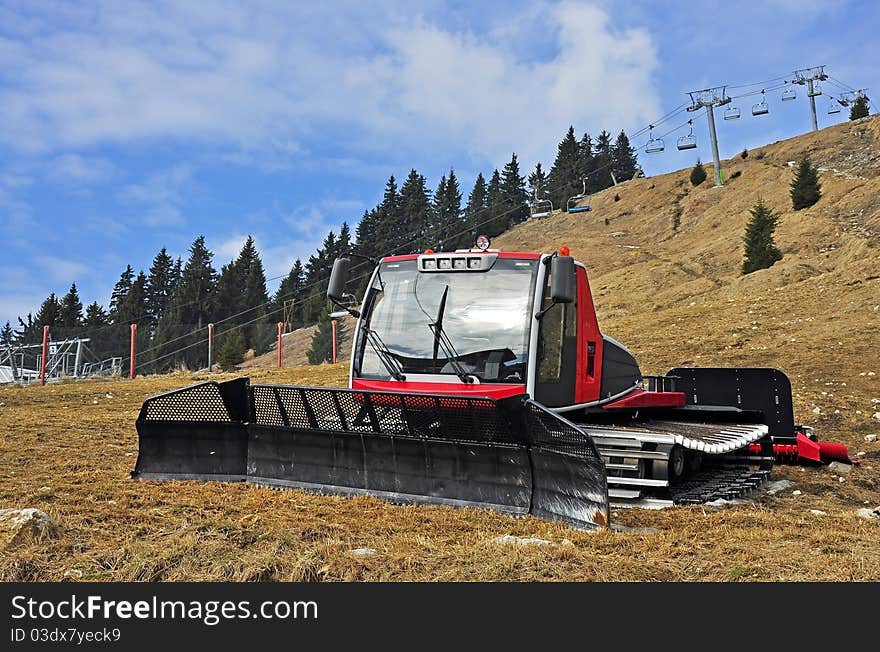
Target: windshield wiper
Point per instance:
(392, 366)
(441, 340)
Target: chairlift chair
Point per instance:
(689, 141)
(731, 113)
(572, 206)
(788, 95)
(539, 208)
(761, 107)
(654, 145)
(833, 106)
(816, 91)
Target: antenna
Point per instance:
(709, 98)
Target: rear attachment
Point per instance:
(511, 455)
(763, 395)
(661, 463)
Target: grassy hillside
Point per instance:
(674, 296)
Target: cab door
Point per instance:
(556, 368)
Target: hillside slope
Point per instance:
(295, 347)
(675, 296)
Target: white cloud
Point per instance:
(229, 248)
(77, 169)
(269, 76)
(160, 196)
(60, 269)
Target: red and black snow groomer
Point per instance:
(480, 378)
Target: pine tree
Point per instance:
(95, 316)
(385, 232)
(496, 207)
(698, 173)
(120, 290)
(566, 174)
(189, 310)
(48, 313)
(231, 351)
(131, 307)
(317, 273)
(321, 349)
(805, 187)
(586, 163)
(624, 155)
(603, 161)
(537, 181)
(160, 286)
(859, 108)
(475, 211)
(195, 293)
(26, 331)
(415, 215)
(448, 225)
(70, 312)
(513, 194)
(366, 235)
(7, 336)
(760, 250)
(290, 291)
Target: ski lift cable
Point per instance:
(665, 118)
(760, 83)
(841, 84)
(758, 92)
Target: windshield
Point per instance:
(486, 318)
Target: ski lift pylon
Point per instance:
(815, 91)
(572, 206)
(654, 145)
(761, 107)
(688, 141)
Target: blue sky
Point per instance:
(128, 126)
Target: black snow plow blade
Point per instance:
(511, 455)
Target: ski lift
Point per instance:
(654, 145)
(761, 107)
(539, 208)
(572, 206)
(788, 95)
(689, 141)
(833, 106)
(731, 113)
(815, 91)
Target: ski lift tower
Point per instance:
(809, 77)
(710, 98)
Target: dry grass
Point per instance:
(677, 298)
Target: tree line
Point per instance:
(174, 300)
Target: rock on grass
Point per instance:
(25, 526)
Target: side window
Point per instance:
(557, 324)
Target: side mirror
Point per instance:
(338, 280)
(562, 286)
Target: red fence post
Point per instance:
(45, 354)
(333, 324)
(134, 330)
(280, 331)
(210, 346)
